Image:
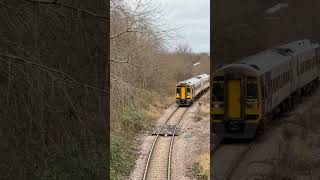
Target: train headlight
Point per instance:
(252, 104)
(218, 105)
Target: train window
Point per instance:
(178, 90)
(251, 91)
(218, 91)
(280, 81)
(188, 91)
(310, 64)
(272, 86)
(218, 78)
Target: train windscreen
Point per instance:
(218, 92)
(188, 91)
(251, 88)
(252, 91)
(178, 91)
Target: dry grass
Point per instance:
(202, 110)
(200, 169)
(204, 165)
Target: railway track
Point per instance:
(229, 167)
(235, 152)
(158, 164)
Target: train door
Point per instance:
(183, 92)
(234, 99)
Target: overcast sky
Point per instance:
(192, 17)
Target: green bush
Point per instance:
(122, 160)
(133, 119)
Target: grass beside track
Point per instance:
(130, 122)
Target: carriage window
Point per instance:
(218, 91)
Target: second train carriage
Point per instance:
(187, 91)
(246, 93)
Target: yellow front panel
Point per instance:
(234, 105)
(183, 93)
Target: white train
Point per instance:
(246, 93)
(189, 90)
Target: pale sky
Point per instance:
(192, 18)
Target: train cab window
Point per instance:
(251, 88)
(188, 91)
(218, 91)
(178, 91)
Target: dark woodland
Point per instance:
(53, 77)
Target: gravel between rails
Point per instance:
(158, 165)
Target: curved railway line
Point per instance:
(158, 164)
(239, 151)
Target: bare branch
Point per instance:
(55, 2)
(128, 84)
(45, 68)
(119, 61)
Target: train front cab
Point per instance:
(236, 105)
(183, 94)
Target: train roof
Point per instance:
(191, 81)
(267, 59)
(202, 76)
(195, 79)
